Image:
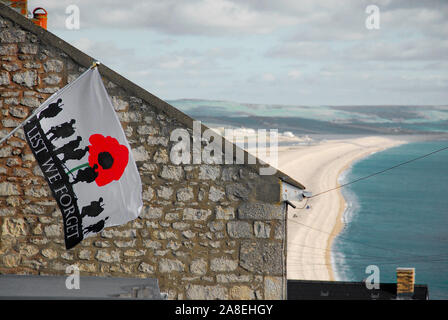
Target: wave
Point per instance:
(338, 259)
(341, 269)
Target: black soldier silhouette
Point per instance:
(86, 175)
(64, 130)
(97, 227)
(69, 147)
(52, 110)
(93, 209)
(77, 154)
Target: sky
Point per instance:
(295, 52)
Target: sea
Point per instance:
(398, 218)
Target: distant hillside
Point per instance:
(319, 119)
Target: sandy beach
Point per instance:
(311, 231)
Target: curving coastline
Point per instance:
(311, 231)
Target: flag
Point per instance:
(86, 159)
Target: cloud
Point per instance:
(422, 49)
(108, 52)
(409, 30)
(268, 77)
(294, 74)
(283, 51)
(208, 17)
(406, 33)
(175, 63)
(302, 50)
(314, 20)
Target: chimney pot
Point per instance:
(405, 282)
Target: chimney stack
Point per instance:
(405, 282)
(20, 6)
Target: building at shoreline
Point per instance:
(207, 231)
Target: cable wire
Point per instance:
(379, 172)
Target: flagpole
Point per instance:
(46, 102)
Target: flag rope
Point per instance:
(47, 102)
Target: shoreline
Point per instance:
(339, 225)
(319, 167)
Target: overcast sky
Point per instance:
(302, 52)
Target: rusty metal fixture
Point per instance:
(40, 18)
(20, 6)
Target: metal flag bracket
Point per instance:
(291, 193)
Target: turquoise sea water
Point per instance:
(397, 219)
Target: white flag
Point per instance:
(82, 150)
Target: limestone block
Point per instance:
(196, 214)
(26, 78)
(165, 192)
(15, 227)
(152, 244)
(223, 264)
(28, 250)
(119, 104)
(261, 229)
(9, 189)
(237, 191)
(52, 79)
(146, 268)
(84, 254)
(53, 230)
(169, 265)
(140, 154)
(124, 243)
(229, 278)
(50, 253)
(8, 49)
(148, 193)
(161, 156)
(239, 229)
(226, 213)
(11, 260)
(198, 292)
(230, 173)
(209, 172)
(106, 256)
(198, 266)
(185, 194)
(4, 78)
(261, 257)
(241, 293)
(53, 66)
(30, 102)
(273, 288)
(172, 173)
(12, 36)
(215, 194)
(29, 48)
(260, 211)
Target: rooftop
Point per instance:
(340, 290)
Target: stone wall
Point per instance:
(205, 232)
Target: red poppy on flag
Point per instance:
(109, 157)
